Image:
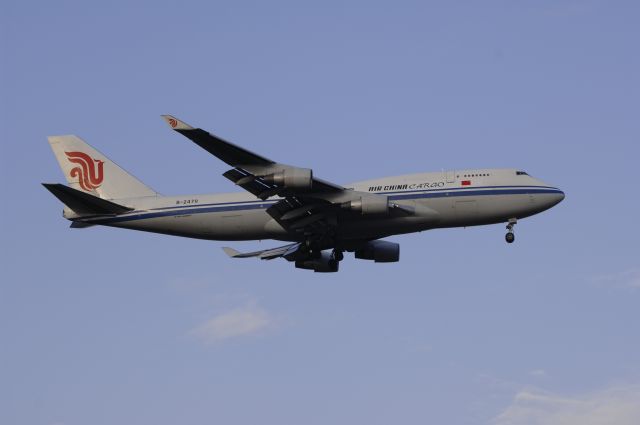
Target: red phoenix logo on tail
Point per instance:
(90, 171)
(173, 122)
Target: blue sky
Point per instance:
(108, 326)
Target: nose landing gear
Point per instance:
(510, 237)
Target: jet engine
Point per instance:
(291, 178)
(324, 264)
(374, 205)
(379, 251)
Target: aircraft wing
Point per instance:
(252, 172)
(226, 151)
(309, 205)
(265, 254)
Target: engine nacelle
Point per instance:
(374, 205)
(291, 178)
(379, 251)
(324, 264)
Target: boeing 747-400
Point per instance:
(320, 220)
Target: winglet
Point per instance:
(175, 123)
(230, 252)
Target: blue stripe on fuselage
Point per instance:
(258, 204)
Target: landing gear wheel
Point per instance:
(334, 265)
(510, 237)
(337, 255)
(312, 249)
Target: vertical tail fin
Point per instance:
(88, 170)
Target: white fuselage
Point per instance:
(449, 199)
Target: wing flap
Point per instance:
(253, 184)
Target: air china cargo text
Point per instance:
(412, 186)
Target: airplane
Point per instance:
(320, 220)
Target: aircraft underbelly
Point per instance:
(224, 226)
(485, 209)
(378, 227)
(234, 225)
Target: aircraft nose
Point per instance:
(556, 197)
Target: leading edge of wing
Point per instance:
(233, 155)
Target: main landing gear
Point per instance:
(334, 260)
(510, 237)
(313, 250)
(337, 255)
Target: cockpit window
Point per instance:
(521, 173)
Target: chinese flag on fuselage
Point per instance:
(466, 182)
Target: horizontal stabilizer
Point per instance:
(80, 225)
(83, 203)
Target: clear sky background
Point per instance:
(107, 326)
